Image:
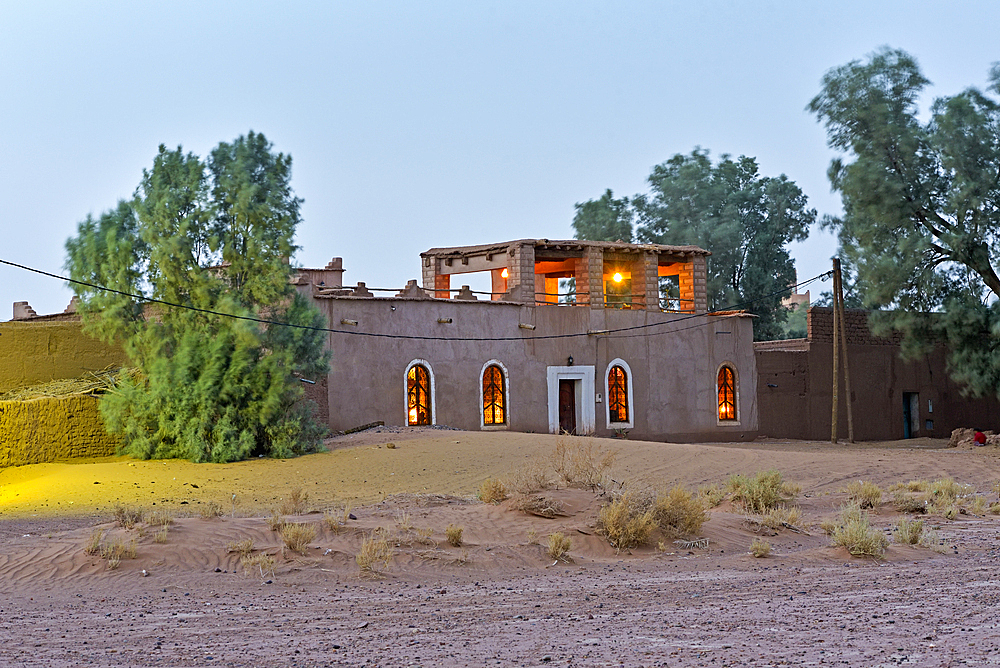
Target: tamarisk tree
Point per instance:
(205, 235)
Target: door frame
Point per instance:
(585, 412)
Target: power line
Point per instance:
(277, 323)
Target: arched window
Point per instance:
(494, 396)
(727, 393)
(618, 407)
(419, 395)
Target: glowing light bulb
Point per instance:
(504, 272)
(617, 277)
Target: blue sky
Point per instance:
(422, 124)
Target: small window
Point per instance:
(494, 404)
(929, 425)
(418, 395)
(727, 394)
(618, 394)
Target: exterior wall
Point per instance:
(673, 374)
(795, 387)
(37, 351)
(50, 429)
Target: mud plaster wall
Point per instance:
(37, 352)
(51, 429)
(795, 388)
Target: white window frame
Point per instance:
(607, 395)
(506, 398)
(406, 406)
(736, 395)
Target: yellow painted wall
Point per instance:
(33, 352)
(50, 429)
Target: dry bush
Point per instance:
(782, 516)
(93, 545)
(127, 516)
(161, 535)
(336, 520)
(532, 537)
(275, 522)
(403, 522)
(995, 508)
(933, 542)
(296, 503)
(856, 534)
(905, 503)
(711, 495)
(626, 522)
(559, 545)
(996, 488)
(864, 494)
(582, 463)
(242, 547)
(375, 554)
(760, 548)
(454, 535)
(907, 531)
(492, 491)
(210, 510)
(262, 563)
(531, 477)
(538, 504)
(678, 513)
(760, 492)
(159, 518)
(951, 512)
(828, 527)
(115, 549)
(977, 504)
(298, 536)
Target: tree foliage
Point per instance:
(746, 220)
(213, 235)
(921, 223)
(604, 219)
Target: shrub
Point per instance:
(711, 495)
(296, 503)
(375, 554)
(161, 535)
(760, 492)
(978, 505)
(454, 535)
(626, 522)
(337, 520)
(126, 516)
(559, 545)
(298, 536)
(905, 503)
(532, 537)
(262, 563)
(115, 549)
(159, 518)
(995, 508)
(210, 510)
(678, 513)
(781, 516)
(275, 522)
(582, 463)
(537, 504)
(93, 545)
(760, 548)
(864, 494)
(242, 547)
(531, 477)
(907, 531)
(858, 536)
(492, 491)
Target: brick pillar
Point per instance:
(522, 272)
(429, 271)
(649, 266)
(700, 283)
(594, 259)
(685, 281)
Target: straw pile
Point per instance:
(91, 383)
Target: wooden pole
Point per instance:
(836, 352)
(843, 350)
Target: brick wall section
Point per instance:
(650, 269)
(522, 271)
(700, 283)
(820, 328)
(594, 257)
(429, 270)
(50, 429)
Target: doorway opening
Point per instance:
(911, 414)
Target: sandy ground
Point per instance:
(499, 599)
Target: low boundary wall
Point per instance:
(52, 428)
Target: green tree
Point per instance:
(921, 222)
(604, 219)
(215, 237)
(746, 220)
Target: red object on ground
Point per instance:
(979, 438)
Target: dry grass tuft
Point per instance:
(454, 535)
(159, 518)
(760, 492)
(298, 536)
(93, 545)
(539, 505)
(907, 531)
(582, 462)
(760, 548)
(296, 503)
(492, 491)
(532, 537)
(977, 504)
(906, 503)
(531, 477)
(242, 547)
(711, 495)
(261, 563)
(856, 534)
(864, 494)
(210, 510)
(626, 522)
(115, 549)
(782, 516)
(403, 521)
(559, 545)
(678, 513)
(126, 516)
(161, 535)
(375, 554)
(995, 508)
(335, 521)
(275, 522)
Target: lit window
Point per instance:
(418, 395)
(493, 396)
(727, 393)
(618, 394)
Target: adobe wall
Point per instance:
(795, 387)
(33, 352)
(51, 429)
(674, 375)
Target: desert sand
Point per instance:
(498, 599)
